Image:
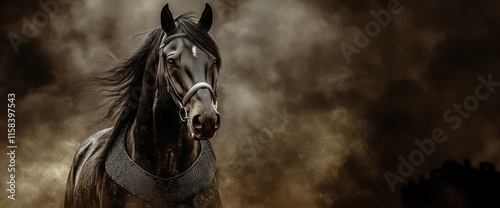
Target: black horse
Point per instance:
(165, 99)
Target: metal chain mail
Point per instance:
(161, 192)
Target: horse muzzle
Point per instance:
(204, 126)
(204, 120)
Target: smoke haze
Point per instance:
(301, 127)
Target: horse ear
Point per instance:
(167, 20)
(206, 18)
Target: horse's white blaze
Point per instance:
(195, 51)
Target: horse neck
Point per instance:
(156, 139)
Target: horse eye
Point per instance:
(171, 62)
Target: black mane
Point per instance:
(120, 82)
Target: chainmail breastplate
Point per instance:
(161, 192)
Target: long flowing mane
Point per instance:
(123, 83)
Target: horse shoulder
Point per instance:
(84, 164)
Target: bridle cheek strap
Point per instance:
(182, 101)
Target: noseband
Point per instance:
(182, 101)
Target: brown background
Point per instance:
(349, 123)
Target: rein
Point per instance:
(182, 101)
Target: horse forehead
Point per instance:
(187, 48)
(194, 53)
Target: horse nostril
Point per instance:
(197, 123)
(217, 122)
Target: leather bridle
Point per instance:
(182, 101)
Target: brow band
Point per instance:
(165, 39)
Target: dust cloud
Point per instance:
(301, 126)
